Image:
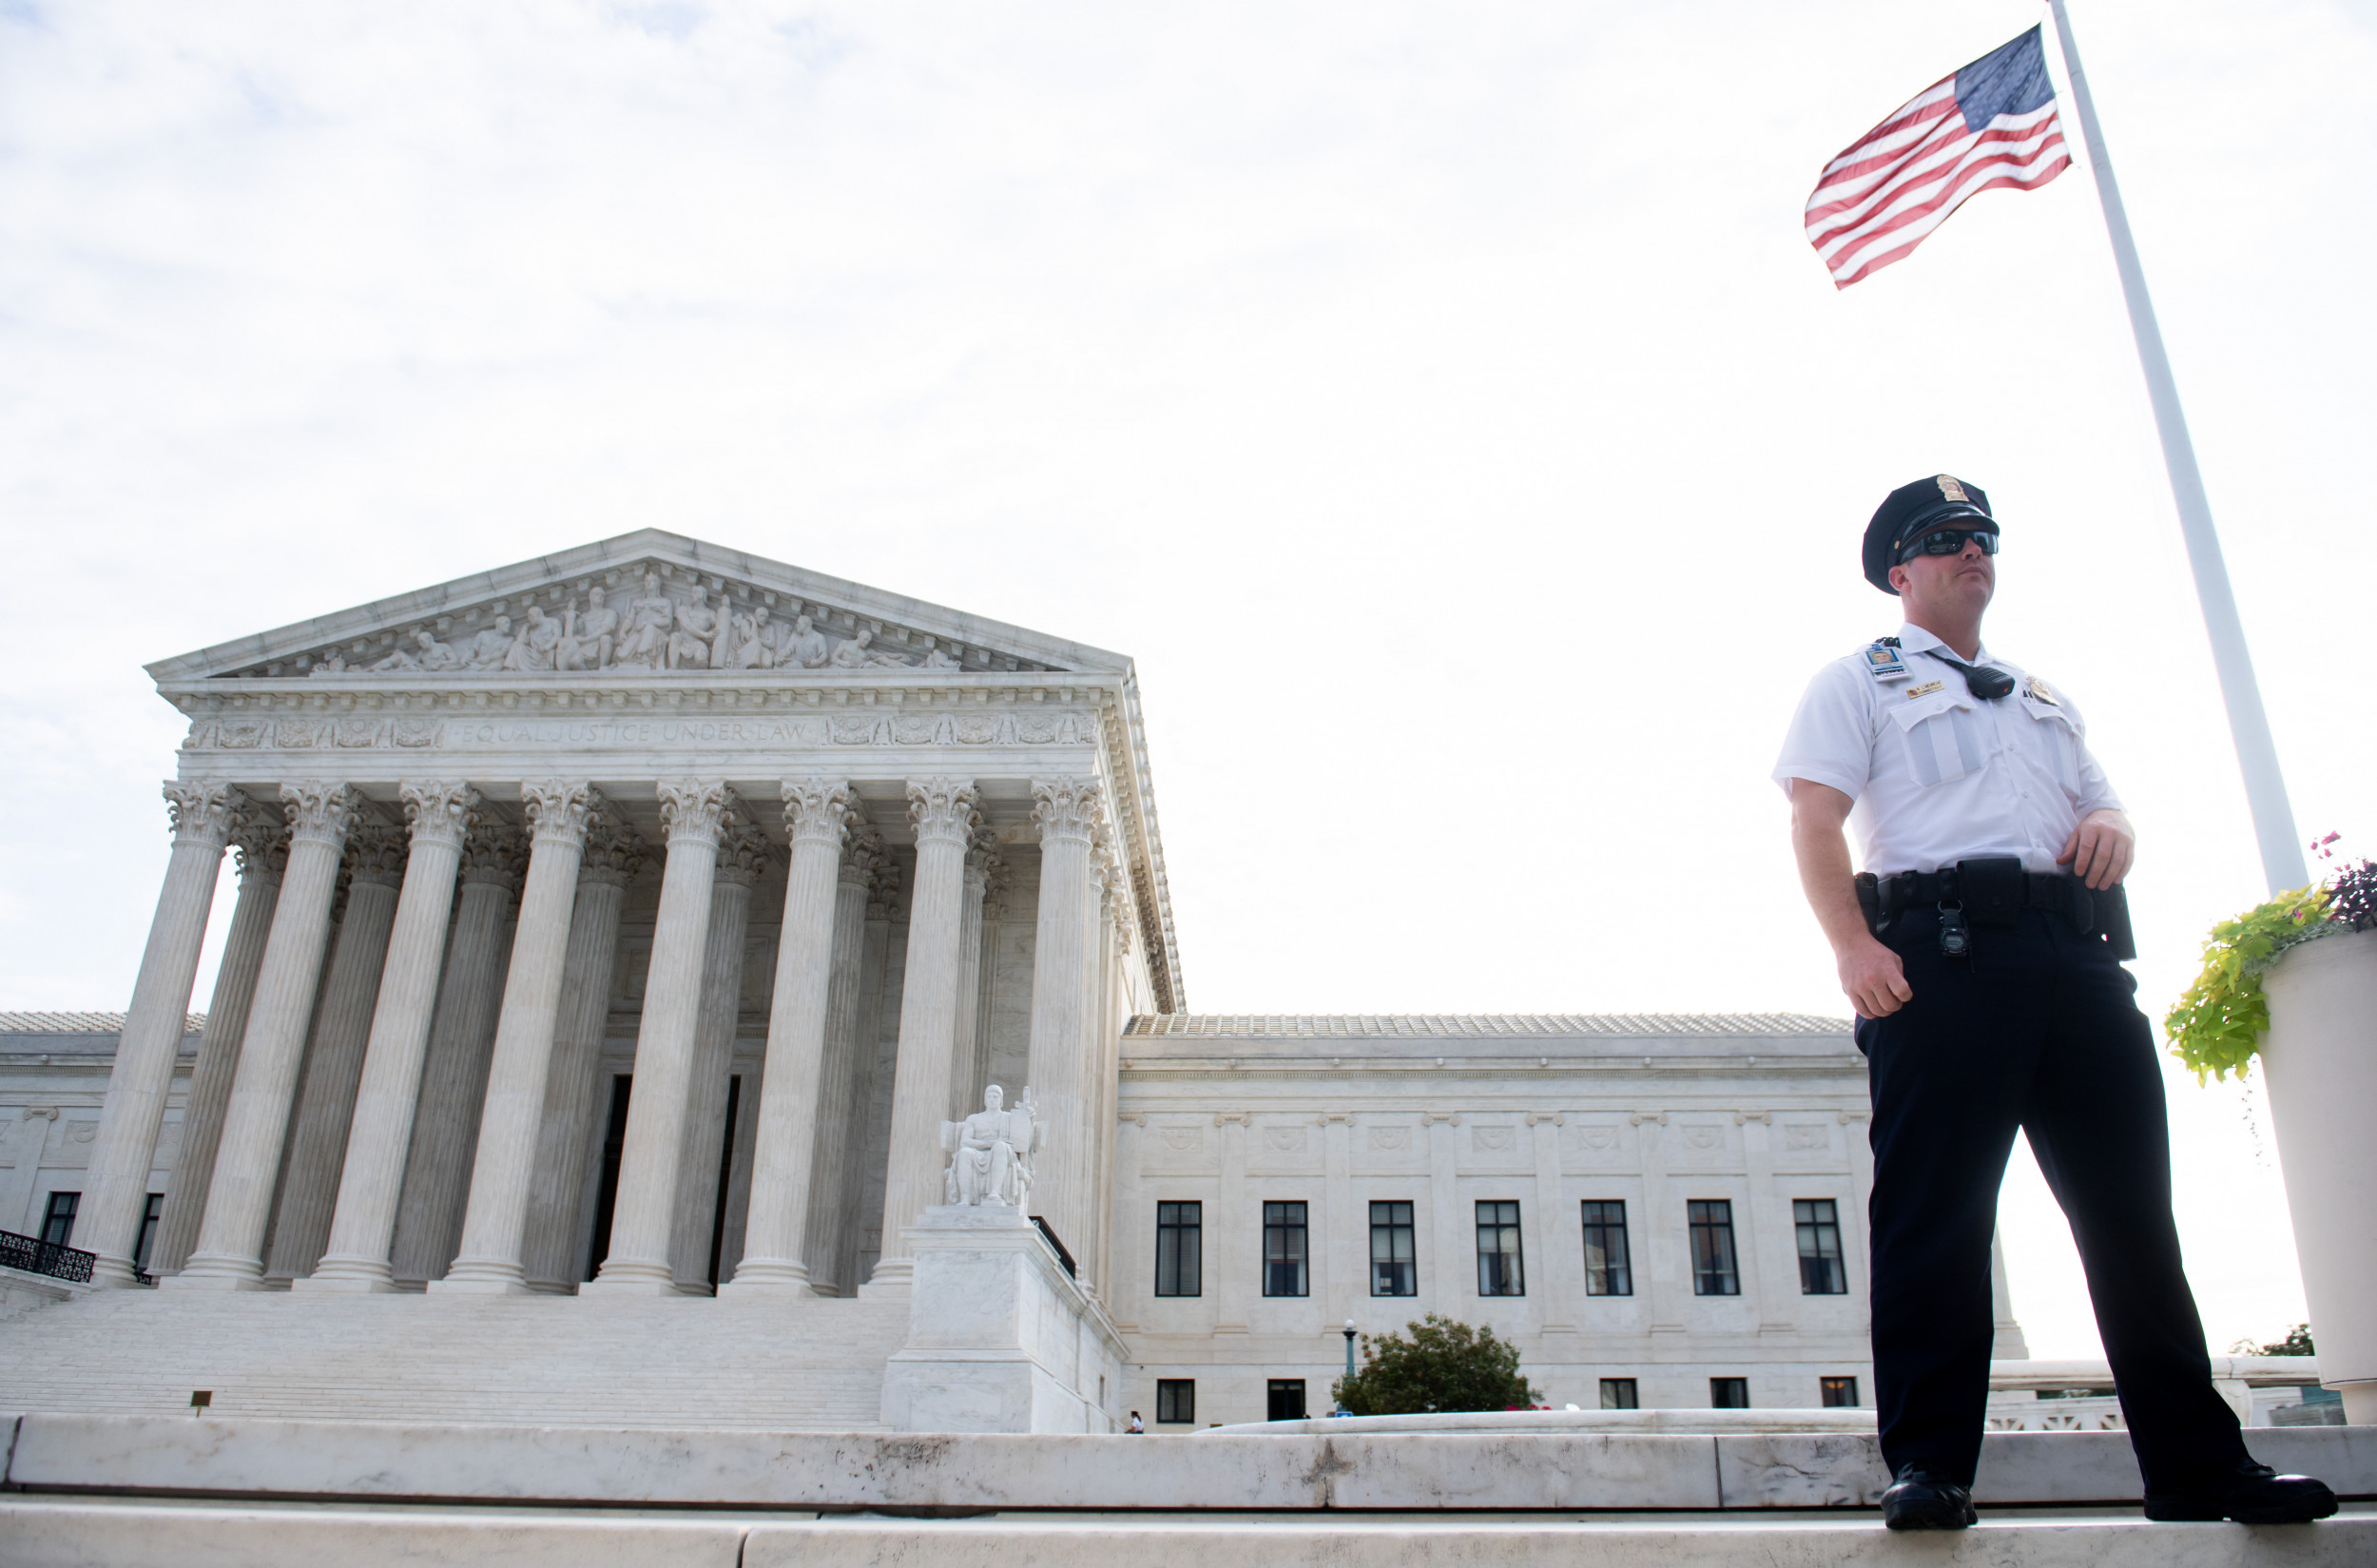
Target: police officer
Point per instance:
(1983, 949)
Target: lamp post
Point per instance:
(1350, 1347)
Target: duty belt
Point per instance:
(1994, 892)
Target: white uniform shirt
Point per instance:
(1938, 774)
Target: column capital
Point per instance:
(744, 854)
(317, 813)
(941, 810)
(1068, 807)
(440, 811)
(376, 853)
(260, 845)
(559, 810)
(819, 811)
(491, 853)
(694, 811)
(205, 815)
(982, 860)
(861, 848)
(615, 853)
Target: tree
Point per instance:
(2297, 1342)
(1443, 1366)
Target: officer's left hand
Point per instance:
(2100, 848)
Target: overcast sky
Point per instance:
(1440, 402)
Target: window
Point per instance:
(1175, 1399)
(57, 1224)
(1821, 1270)
(1283, 1251)
(1607, 1270)
(1501, 1270)
(148, 1231)
(1729, 1393)
(1620, 1394)
(1713, 1273)
(1839, 1393)
(1392, 1270)
(1286, 1396)
(1179, 1251)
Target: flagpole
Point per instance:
(2248, 725)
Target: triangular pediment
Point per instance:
(648, 602)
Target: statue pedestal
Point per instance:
(1000, 1338)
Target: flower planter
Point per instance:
(2321, 1057)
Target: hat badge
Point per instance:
(1951, 491)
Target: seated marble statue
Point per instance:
(991, 1152)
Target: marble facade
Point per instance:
(633, 922)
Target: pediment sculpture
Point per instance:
(990, 1152)
(649, 627)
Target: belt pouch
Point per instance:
(2113, 914)
(1990, 889)
(1869, 900)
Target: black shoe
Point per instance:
(2249, 1494)
(1915, 1502)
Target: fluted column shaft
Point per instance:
(838, 1076)
(334, 1068)
(714, 1027)
(942, 811)
(363, 1223)
(563, 1137)
(230, 1254)
(875, 941)
(693, 811)
(453, 1074)
(792, 1112)
(964, 1093)
(116, 1187)
(495, 1212)
(1066, 810)
(262, 849)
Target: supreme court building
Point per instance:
(617, 934)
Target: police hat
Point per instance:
(1910, 512)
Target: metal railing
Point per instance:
(45, 1257)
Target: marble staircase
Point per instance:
(781, 1364)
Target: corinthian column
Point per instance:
(837, 1082)
(230, 1253)
(325, 1105)
(743, 854)
(495, 1219)
(363, 1223)
(942, 812)
(557, 1183)
(1067, 811)
(693, 811)
(817, 815)
(262, 847)
(116, 1189)
(453, 1077)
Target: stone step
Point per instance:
(779, 1363)
(1406, 1472)
(44, 1533)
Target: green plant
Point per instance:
(2217, 1027)
(2297, 1342)
(1443, 1366)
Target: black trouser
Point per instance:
(2038, 1029)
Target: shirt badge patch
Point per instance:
(1926, 689)
(1885, 663)
(2039, 692)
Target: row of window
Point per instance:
(1502, 1253)
(1176, 1398)
(57, 1223)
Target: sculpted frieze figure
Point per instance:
(645, 643)
(536, 647)
(701, 633)
(586, 640)
(990, 1152)
(490, 647)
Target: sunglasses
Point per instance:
(1951, 541)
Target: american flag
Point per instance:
(1991, 124)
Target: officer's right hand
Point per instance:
(1874, 980)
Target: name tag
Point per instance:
(1925, 690)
